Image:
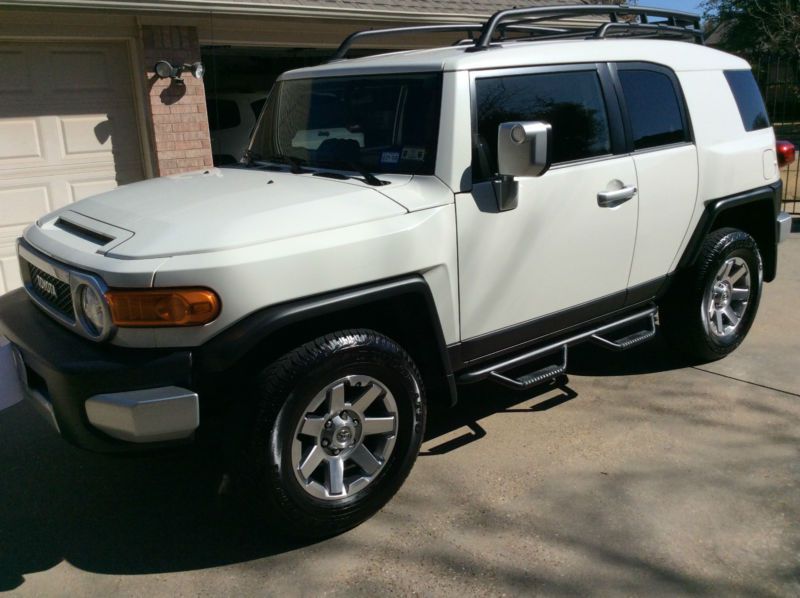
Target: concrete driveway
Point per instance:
(640, 477)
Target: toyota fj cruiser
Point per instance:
(403, 224)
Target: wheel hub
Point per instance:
(340, 433)
(722, 294)
(345, 437)
(727, 298)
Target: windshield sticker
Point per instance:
(414, 153)
(390, 157)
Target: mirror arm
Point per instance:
(506, 192)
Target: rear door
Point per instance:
(659, 133)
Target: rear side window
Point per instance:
(748, 99)
(653, 108)
(572, 102)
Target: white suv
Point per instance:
(405, 224)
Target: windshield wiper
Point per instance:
(295, 164)
(369, 178)
(250, 157)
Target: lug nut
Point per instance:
(325, 442)
(328, 424)
(335, 451)
(355, 421)
(343, 415)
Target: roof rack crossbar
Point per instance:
(602, 32)
(348, 42)
(468, 28)
(525, 21)
(559, 12)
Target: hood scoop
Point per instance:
(84, 233)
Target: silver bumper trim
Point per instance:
(152, 415)
(784, 226)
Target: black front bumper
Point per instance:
(65, 369)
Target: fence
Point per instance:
(779, 79)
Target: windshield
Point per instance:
(383, 124)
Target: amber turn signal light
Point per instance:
(162, 307)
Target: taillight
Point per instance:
(786, 152)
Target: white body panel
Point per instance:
(557, 249)
(250, 278)
(667, 181)
(730, 160)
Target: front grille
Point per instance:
(52, 291)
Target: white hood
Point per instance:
(222, 209)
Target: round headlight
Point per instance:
(93, 309)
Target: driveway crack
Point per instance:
(786, 392)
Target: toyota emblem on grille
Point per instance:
(45, 286)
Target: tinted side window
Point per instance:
(653, 108)
(748, 99)
(222, 114)
(572, 102)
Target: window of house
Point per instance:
(748, 99)
(653, 107)
(572, 102)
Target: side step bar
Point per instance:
(597, 335)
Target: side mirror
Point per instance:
(524, 149)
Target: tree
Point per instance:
(750, 26)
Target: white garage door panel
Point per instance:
(24, 204)
(81, 190)
(19, 139)
(68, 130)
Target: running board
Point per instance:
(626, 342)
(597, 335)
(536, 378)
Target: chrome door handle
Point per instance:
(611, 199)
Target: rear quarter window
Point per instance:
(654, 108)
(749, 100)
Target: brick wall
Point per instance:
(178, 116)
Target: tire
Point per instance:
(371, 392)
(711, 307)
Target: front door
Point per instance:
(523, 271)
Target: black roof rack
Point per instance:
(638, 21)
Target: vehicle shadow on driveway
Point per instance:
(162, 513)
(112, 514)
(584, 360)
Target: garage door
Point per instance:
(68, 130)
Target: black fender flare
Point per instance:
(768, 196)
(227, 348)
